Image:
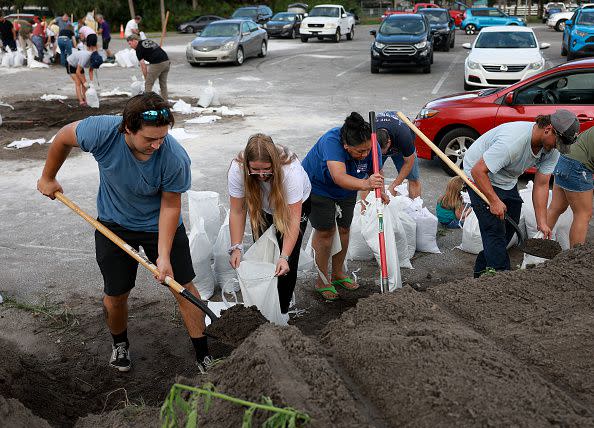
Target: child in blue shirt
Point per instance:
(450, 206)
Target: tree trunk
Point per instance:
(194, 4)
(131, 6)
(162, 3)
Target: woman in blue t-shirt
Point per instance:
(339, 165)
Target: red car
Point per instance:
(455, 121)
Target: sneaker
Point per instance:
(120, 357)
(205, 364)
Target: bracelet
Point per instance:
(282, 256)
(235, 247)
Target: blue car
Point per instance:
(481, 17)
(578, 36)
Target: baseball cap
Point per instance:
(132, 37)
(567, 128)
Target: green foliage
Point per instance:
(181, 408)
(59, 318)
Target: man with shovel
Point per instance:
(143, 172)
(496, 160)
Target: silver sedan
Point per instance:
(230, 40)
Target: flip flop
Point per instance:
(331, 289)
(341, 282)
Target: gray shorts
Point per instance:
(323, 212)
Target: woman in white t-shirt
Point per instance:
(269, 182)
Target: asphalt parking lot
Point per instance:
(296, 93)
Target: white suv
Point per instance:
(557, 20)
(327, 21)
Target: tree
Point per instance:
(131, 7)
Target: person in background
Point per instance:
(66, 41)
(105, 33)
(37, 37)
(87, 35)
(51, 38)
(7, 33)
(338, 165)
(450, 209)
(76, 63)
(63, 21)
(398, 142)
(269, 182)
(132, 26)
(573, 187)
(158, 60)
(143, 172)
(24, 29)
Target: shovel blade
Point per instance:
(543, 248)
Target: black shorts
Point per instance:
(119, 269)
(91, 40)
(323, 212)
(106, 43)
(72, 70)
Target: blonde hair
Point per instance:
(452, 199)
(261, 148)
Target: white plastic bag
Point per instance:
(401, 234)
(224, 273)
(205, 205)
(137, 86)
(18, 59)
(426, 227)
(530, 260)
(92, 97)
(201, 253)
(259, 288)
(471, 235)
(358, 248)
(206, 95)
(7, 60)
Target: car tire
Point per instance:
(468, 87)
(336, 38)
(195, 64)
(293, 34)
(304, 39)
(320, 38)
(427, 69)
(563, 50)
(570, 56)
(431, 59)
(189, 30)
(263, 50)
(560, 25)
(240, 56)
(375, 68)
(446, 46)
(351, 34)
(470, 29)
(454, 145)
(453, 41)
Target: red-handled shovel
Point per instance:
(380, 206)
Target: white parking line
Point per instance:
(445, 75)
(352, 68)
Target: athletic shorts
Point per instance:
(91, 40)
(72, 70)
(119, 269)
(106, 43)
(323, 212)
(572, 175)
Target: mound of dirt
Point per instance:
(13, 414)
(129, 417)
(235, 324)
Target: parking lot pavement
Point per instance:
(295, 94)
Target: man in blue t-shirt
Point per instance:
(142, 173)
(398, 142)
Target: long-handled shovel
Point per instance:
(544, 248)
(170, 282)
(379, 205)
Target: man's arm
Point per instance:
(58, 152)
(540, 198)
(168, 221)
(143, 67)
(341, 178)
(481, 179)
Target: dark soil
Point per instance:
(13, 414)
(235, 324)
(544, 248)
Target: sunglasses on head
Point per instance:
(153, 115)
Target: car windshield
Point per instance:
(250, 13)
(221, 30)
(284, 17)
(392, 27)
(506, 40)
(332, 12)
(586, 19)
(436, 16)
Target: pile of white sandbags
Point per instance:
(127, 58)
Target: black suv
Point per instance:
(259, 14)
(402, 40)
(442, 27)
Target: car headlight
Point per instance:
(426, 113)
(331, 25)
(379, 45)
(287, 26)
(228, 46)
(536, 65)
(421, 45)
(264, 26)
(473, 65)
(581, 33)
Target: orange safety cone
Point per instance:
(121, 31)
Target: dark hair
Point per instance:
(132, 116)
(355, 131)
(543, 120)
(382, 137)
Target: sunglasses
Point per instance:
(153, 115)
(261, 173)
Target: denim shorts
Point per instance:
(573, 176)
(398, 160)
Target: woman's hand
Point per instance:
(235, 258)
(282, 267)
(374, 181)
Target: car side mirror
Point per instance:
(344, 15)
(509, 98)
(467, 46)
(545, 45)
(568, 23)
(373, 32)
(247, 33)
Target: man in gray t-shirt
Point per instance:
(496, 160)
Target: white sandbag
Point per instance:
(137, 86)
(224, 273)
(18, 60)
(265, 249)
(401, 234)
(206, 95)
(370, 230)
(7, 60)
(201, 252)
(426, 227)
(400, 204)
(471, 235)
(92, 97)
(183, 107)
(306, 262)
(259, 288)
(358, 248)
(132, 58)
(126, 58)
(25, 142)
(205, 205)
(530, 260)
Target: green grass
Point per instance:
(59, 317)
(369, 20)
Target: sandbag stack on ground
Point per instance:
(426, 226)
(224, 274)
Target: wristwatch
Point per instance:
(235, 247)
(282, 256)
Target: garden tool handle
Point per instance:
(170, 282)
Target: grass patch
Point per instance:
(60, 317)
(369, 20)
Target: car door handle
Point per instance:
(584, 118)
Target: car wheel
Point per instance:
(563, 50)
(446, 46)
(431, 61)
(468, 87)
(304, 39)
(427, 69)
(470, 29)
(263, 50)
(320, 38)
(240, 57)
(195, 64)
(570, 56)
(293, 33)
(351, 34)
(189, 30)
(337, 36)
(453, 41)
(375, 68)
(454, 144)
(560, 25)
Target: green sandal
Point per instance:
(331, 289)
(341, 282)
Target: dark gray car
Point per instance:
(197, 23)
